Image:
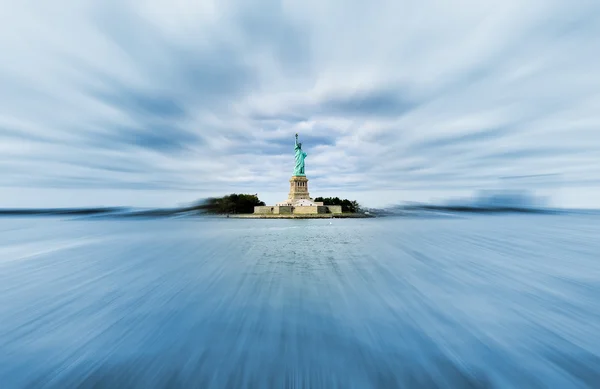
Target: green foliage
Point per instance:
(347, 205)
(233, 203)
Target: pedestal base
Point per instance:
(298, 202)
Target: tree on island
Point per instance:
(347, 205)
(233, 203)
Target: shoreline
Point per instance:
(300, 216)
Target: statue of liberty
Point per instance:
(300, 156)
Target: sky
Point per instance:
(162, 102)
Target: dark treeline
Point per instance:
(233, 203)
(347, 205)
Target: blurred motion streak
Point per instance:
(505, 301)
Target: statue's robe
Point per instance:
(300, 156)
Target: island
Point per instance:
(299, 204)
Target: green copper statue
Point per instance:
(300, 156)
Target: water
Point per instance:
(465, 302)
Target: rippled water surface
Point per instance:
(473, 302)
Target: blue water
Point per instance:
(463, 302)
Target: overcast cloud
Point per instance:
(159, 102)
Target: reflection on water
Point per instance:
(477, 302)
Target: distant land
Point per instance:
(398, 210)
(108, 212)
(484, 202)
(234, 205)
(426, 210)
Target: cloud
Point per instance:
(396, 97)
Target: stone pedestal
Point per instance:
(298, 188)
